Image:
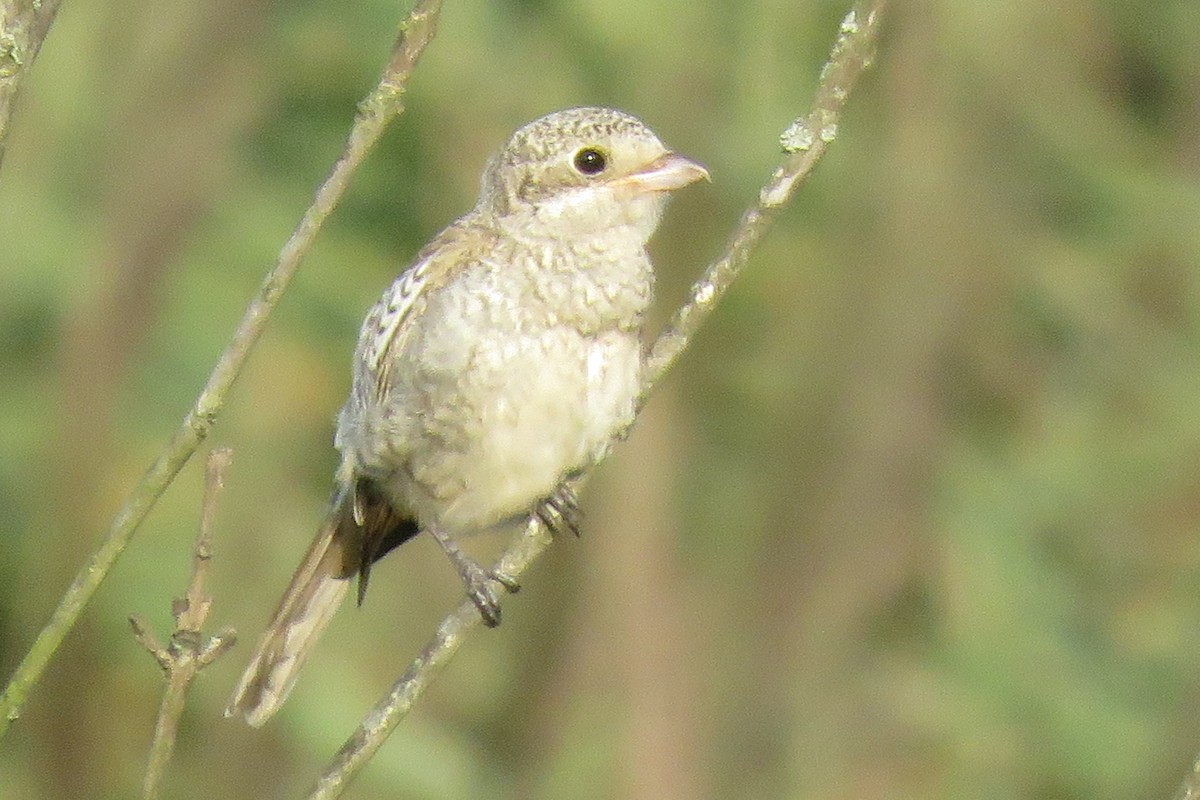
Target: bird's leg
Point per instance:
(477, 580)
(560, 511)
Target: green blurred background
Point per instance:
(917, 516)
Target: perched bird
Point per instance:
(501, 362)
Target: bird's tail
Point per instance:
(316, 591)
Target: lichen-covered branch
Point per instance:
(804, 142)
(23, 27)
(378, 109)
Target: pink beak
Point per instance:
(664, 174)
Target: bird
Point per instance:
(500, 363)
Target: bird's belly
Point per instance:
(503, 433)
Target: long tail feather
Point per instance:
(316, 591)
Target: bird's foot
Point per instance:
(481, 588)
(479, 582)
(560, 511)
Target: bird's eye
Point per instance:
(591, 161)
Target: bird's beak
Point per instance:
(664, 174)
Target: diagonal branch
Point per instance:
(23, 27)
(804, 142)
(378, 109)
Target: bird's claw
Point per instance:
(560, 511)
(480, 584)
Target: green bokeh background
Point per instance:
(917, 516)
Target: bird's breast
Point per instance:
(517, 373)
(488, 441)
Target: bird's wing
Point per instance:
(390, 322)
(384, 331)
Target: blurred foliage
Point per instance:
(917, 516)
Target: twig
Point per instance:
(382, 105)
(23, 27)
(189, 651)
(803, 142)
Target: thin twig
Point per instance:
(803, 143)
(189, 651)
(379, 108)
(23, 27)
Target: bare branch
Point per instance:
(23, 27)
(189, 651)
(387, 713)
(378, 109)
(803, 143)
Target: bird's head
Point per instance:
(581, 172)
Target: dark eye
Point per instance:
(591, 161)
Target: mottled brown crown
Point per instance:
(550, 135)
